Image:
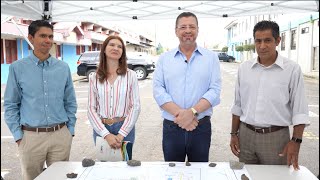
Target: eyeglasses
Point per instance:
(183, 28)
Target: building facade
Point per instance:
(71, 39)
(299, 38)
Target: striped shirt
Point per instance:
(120, 99)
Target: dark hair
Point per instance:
(266, 25)
(36, 25)
(102, 68)
(186, 14)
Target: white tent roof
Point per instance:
(57, 10)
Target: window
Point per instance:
(11, 51)
(2, 57)
(283, 41)
(80, 49)
(77, 50)
(305, 30)
(58, 51)
(293, 39)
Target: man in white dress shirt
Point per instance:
(269, 97)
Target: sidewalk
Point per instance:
(312, 75)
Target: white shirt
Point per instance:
(120, 99)
(272, 95)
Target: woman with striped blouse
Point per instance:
(114, 102)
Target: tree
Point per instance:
(239, 48)
(248, 47)
(159, 49)
(224, 49)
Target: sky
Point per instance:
(211, 31)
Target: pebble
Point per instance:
(72, 175)
(134, 163)
(87, 162)
(172, 164)
(212, 165)
(188, 164)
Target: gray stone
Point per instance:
(212, 165)
(72, 175)
(244, 177)
(188, 164)
(134, 163)
(87, 162)
(172, 164)
(236, 165)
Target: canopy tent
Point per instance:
(57, 10)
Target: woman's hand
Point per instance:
(113, 141)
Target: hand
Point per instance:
(234, 145)
(112, 141)
(120, 138)
(292, 152)
(193, 125)
(184, 118)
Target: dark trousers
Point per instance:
(177, 143)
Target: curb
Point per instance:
(311, 77)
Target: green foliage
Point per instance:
(159, 49)
(248, 47)
(224, 49)
(239, 48)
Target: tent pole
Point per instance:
(22, 34)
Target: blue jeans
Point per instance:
(114, 129)
(177, 143)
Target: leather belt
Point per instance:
(44, 129)
(111, 121)
(264, 130)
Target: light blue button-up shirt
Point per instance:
(39, 94)
(183, 83)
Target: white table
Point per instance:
(58, 171)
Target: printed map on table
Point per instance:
(161, 172)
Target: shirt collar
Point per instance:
(197, 50)
(278, 62)
(36, 60)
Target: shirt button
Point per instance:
(46, 105)
(45, 93)
(44, 81)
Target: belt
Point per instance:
(111, 121)
(264, 130)
(44, 129)
(201, 121)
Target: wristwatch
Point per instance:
(195, 112)
(297, 140)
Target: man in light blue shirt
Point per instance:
(40, 104)
(186, 86)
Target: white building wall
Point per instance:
(304, 53)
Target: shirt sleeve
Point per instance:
(159, 88)
(93, 105)
(213, 93)
(298, 100)
(12, 103)
(236, 106)
(70, 103)
(134, 106)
